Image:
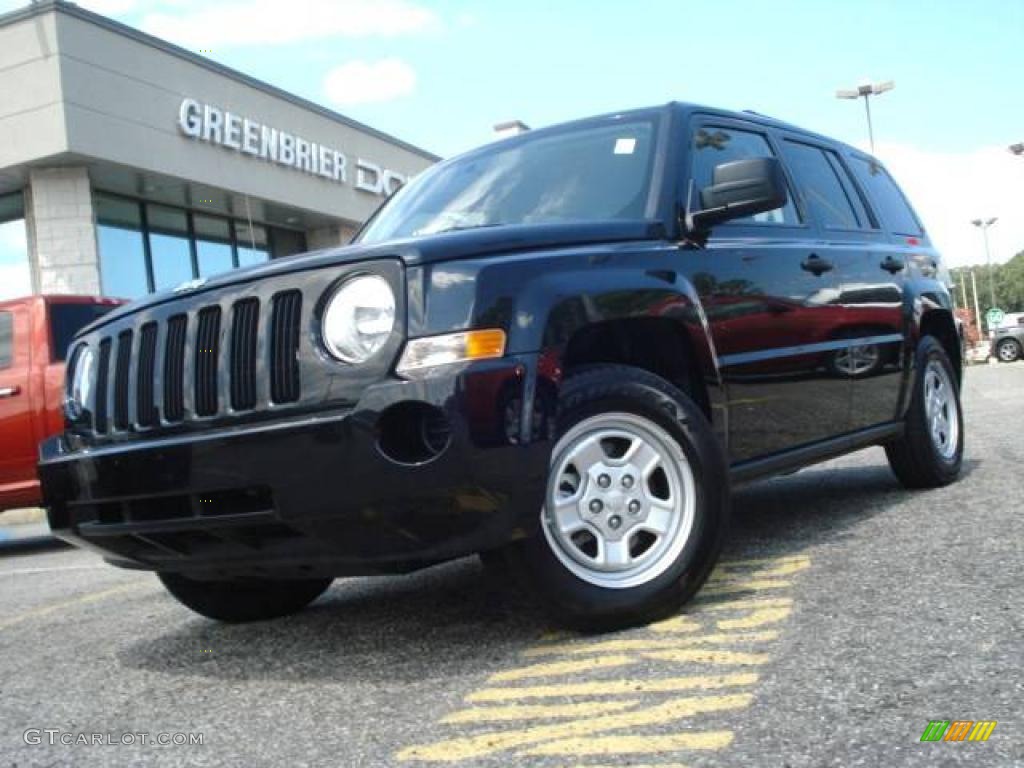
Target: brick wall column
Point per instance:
(61, 231)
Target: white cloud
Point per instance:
(15, 281)
(361, 82)
(948, 190)
(263, 22)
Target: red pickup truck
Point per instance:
(35, 333)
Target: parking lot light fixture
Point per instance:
(866, 91)
(983, 225)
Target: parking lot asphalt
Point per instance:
(847, 613)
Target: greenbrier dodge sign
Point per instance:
(203, 122)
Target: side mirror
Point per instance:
(740, 188)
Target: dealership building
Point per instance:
(129, 165)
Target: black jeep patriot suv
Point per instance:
(560, 349)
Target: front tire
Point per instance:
(636, 505)
(245, 599)
(930, 453)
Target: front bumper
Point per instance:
(313, 494)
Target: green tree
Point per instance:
(1008, 280)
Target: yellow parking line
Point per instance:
(563, 668)
(750, 585)
(634, 745)
(649, 643)
(676, 624)
(753, 602)
(616, 687)
(45, 610)
(538, 711)
(776, 569)
(755, 561)
(483, 744)
(757, 618)
(709, 657)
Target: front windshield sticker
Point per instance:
(625, 146)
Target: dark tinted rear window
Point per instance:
(886, 197)
(68, 319)
(6, 339)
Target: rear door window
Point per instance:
(825, 195)
(68, 319)
(887, 198)
(6, 339)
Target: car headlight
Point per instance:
(359, 318)
(80, 386)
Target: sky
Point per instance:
(441, 73)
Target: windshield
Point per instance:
(580, 174)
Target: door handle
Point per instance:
(816, 265)
(9, 391)
(892, 265)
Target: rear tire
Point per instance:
(245, 599)
(636, 505)
(930, 453)
(1008, 351)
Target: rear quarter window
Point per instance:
(886, 197)
(6, 339)
(68, 319)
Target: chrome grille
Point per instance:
(207, 350)
(244, 340)
(144, 389)
(174, 368)
(284, 347)
(102, 378)
(124, 358)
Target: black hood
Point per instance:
(445, 246)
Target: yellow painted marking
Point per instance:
(778, 569)
(480, 745)
(563, 668)
(615, 687)
(538, 711)
(45, 610)
(649, 643)
(756, 618)
(750, 585)
(555, 636)
(756, 561)
(709, 657)
(634, 745)
(753, 602)
(676, 624)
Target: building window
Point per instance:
(145, 247)
(213, 245)
(15, 275)
(169, 246)
(123, 270)
(252, 244)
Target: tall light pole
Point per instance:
(867, 90)
(984, 225)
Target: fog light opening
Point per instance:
(413, 433)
